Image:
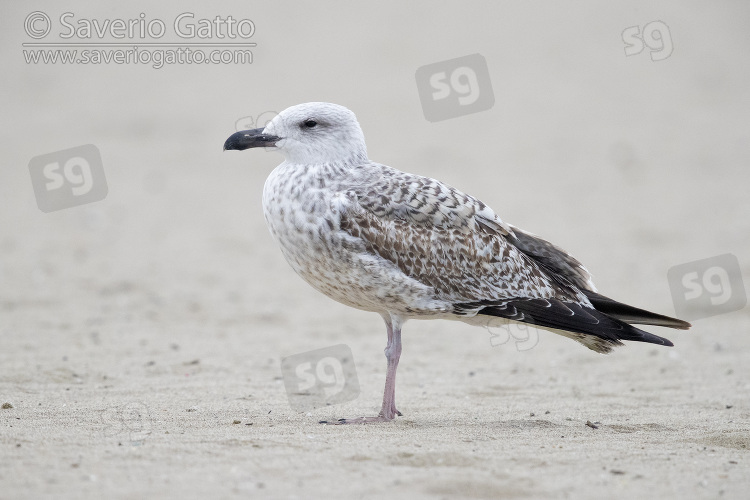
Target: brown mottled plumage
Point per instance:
(407, 246)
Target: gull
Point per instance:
(411, 247)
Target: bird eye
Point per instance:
(310, 123)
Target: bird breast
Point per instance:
(303, 208)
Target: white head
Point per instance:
(314, 132)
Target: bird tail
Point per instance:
(593, 328)
(632, 315)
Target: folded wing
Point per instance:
(459, 247)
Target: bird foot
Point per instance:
(363, 420)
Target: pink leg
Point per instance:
(392, 353)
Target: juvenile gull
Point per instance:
(406, 246)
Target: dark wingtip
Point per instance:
(633, 315)
(683, 325)
(668, 322)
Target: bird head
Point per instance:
(310, 133)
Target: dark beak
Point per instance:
(246, 139)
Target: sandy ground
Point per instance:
(137, 330)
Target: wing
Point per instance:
(389, 193)
(562, 264)
(459, 247)
(429, 202)
(553, 258)
(445, 239)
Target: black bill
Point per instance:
(246, 139)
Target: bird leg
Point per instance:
(392, 353)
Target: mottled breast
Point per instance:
(302, 205)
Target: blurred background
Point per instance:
(634, 163)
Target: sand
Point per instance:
(142, 335)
